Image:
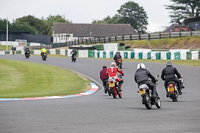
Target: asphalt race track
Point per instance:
(100, 113)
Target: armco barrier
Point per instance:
(156, 55)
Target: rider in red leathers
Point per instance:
(117, 73)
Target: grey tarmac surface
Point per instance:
(100, 113)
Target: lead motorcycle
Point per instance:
(119, 63)
(147, 99)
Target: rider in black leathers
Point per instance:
(116, 57)
(142, 76)
(73, 52)
(26, 50)
(169, 73)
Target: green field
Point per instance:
(3, 47)
(179, 62)
(19, 79)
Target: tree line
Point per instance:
(32, 24)
(129, 13)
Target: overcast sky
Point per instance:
(84, 11)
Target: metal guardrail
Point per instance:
(150, 36)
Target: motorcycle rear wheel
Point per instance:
(147, 101)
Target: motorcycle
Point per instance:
(119, 63)
(13, 52)
(44, 56)
(27, 54)
(114, 87)
(173, 91)
(147, 99)
(73, 58)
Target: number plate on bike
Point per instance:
(111, 84)
(171, 89)
(142, 91)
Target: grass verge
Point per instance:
(19, 79)
(3, 47)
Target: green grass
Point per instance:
(3, 47)
(20, 79)
(179, 62)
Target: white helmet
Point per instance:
(140, 65)
(113, 64)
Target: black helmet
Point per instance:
(169, 63)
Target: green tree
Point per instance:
(52, 19)
(34, 22)
(181, 9)
(108, 20)
(132, 13)
(129, 13)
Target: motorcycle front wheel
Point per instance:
(158, 103)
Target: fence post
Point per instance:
(130, 37)
(169, 35)
(179, 34)
(104, 39)
(190, 33)
(159, 35)
(123, 38)
(139, 37)
(115, 38)
(148, 36)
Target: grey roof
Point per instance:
(94, 30)
(171, 27)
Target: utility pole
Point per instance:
(7, 36)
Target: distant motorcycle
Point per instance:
(73, 58)
(119, 63)
(147, 99)
(27, 54)
(44, 56)
(13, 52)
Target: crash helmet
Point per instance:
(169, 63)
(140, 65)
(113, 64)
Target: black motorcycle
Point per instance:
(27, 54)
(44, 56)
(147, 99)
(73, 58)
(119, 63)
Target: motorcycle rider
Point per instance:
(43, 50)
(116, 72)
(13, 49)
(142, 76)
(104, 75)
(26, 50)
(169, 73)
(73, 52)
(117, 56)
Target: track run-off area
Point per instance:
(101, 113)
